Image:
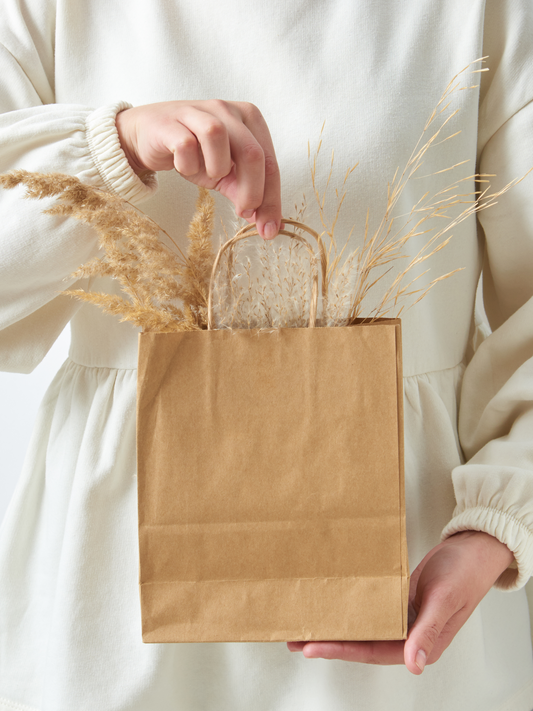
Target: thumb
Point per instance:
(438, 606)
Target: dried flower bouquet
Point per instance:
(166, 290)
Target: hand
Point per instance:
(445, 589)
(220, 145)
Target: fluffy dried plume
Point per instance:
(164, 289)
(152, 276)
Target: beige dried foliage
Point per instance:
(166, 290)
(347, 283)
(265, 285)
(154, 278)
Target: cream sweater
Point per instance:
(69, 608)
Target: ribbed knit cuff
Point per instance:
(507, 529)
(110, 159)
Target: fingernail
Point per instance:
(420, 659)
(270, 230)
(247, 214)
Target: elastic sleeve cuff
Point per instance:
(507, 529)
(110, 159)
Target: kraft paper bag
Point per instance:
(271, 485)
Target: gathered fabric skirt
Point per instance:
(70, 630)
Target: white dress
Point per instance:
(69, 605)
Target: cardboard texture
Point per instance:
(270, 481)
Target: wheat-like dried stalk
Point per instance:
(166, 290)
(152, 276)
(271, 290)
(366, 266)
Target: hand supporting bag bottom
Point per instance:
(270, 484)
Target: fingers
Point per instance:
(253, 185)
(215, 144)
(249, 159)
(450, 582)
(184, 148)
(362, 652)
(199, 142)
(268, 212)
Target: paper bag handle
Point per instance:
(250, 231)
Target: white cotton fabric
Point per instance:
(70, 633)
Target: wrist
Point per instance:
(491, 551)
(125, 131)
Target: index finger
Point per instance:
(268, 214)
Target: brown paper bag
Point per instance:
(270, 482)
